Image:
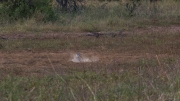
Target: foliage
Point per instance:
(70, 5)
(94, 15)
(131, 7)
(23, 9)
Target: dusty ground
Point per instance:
(34, 62)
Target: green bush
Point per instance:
(23, 9)
(132, 6)
(14, 10)
(44, 11)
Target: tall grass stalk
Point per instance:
(94, 96)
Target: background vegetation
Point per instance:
(88, 15)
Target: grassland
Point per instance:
(103, 16)
(143, 64)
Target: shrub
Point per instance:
(132, 6)
(24, 9)
(70, 5)
(14, 10)
(44, 11)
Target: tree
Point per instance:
(69, 5)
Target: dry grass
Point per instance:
(140, 65)
(134, 67)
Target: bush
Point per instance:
(14, 10)
(44, 11)
(70, 5)
(24, 9)
(132, 6)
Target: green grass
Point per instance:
(138, 81)
(112, 16)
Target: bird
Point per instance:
(78, 56)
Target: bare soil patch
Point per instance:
(44, 62)
(34, 62)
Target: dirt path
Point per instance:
(40, 63)
(153, 29)
(32, 62)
